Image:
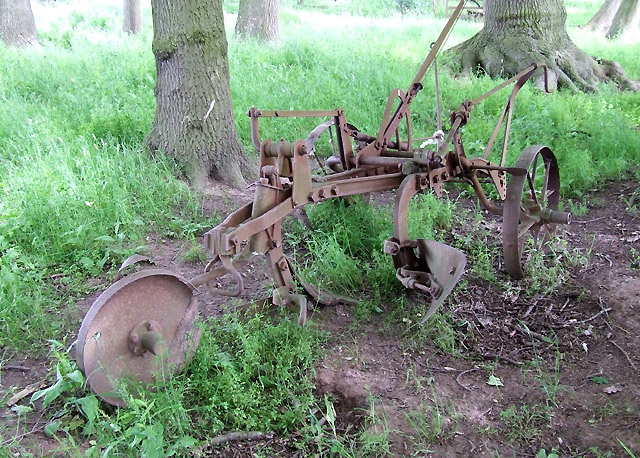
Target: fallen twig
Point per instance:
(502, 358)
(589, 220)
(528, 331)
(26, 391)
(461, 374)
(596, 315)
(625, 354)
(11, 367)
(240, 436)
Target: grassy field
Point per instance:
(78, 195)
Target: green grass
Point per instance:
(77, 195)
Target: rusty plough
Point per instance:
(152, 312)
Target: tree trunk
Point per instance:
(17, 25)
(603, 18)
(132, 17)
(193, 119)
(516, 34)
(258, 19)
(626, 19)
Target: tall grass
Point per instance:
(75, 189)
(76, 194)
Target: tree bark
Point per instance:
(17, 25)
(132, 16)
(601, 21)
(258, 19)
(516, 34)
(616, 18)
(626, 19)
(193, 119)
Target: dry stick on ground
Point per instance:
(596, 315)
(625, 354)
(506, 359)
(461, 374)
(588, 221)
(528, 331)
(11, 367)
(231, 437)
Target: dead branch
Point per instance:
(626, 355)
(461, 374)
(529, 332)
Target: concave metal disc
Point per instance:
(103, 340)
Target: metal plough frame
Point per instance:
(123, 318)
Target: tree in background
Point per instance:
(193, 120)
(17, 25)
(132, 16)
(516, 34)
(616, 18)
(258, 19)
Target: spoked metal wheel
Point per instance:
(531, 207)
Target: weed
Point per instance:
(549, 378)
(194, 252)
(635, 258)
(522, 424)
(372, 438)
(601, 454)
(626, 448)
(544, 454)
(432, 423)
(577, 208)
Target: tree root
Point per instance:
(569, 67)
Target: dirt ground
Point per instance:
(555, 372)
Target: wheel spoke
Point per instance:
(532, 189)
(545, 186)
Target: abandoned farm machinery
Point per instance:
(148, 318)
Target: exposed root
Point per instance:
(569, 67)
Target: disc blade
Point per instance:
(103, 340)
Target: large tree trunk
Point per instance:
(616, 18)
(516, 34)
(132, 16)
(193, 120)
(17, 25)
(603, 18)
(258, 19)
(626, 19)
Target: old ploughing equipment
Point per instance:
(147, 319)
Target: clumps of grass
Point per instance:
(436, 422)
(430, 217)
(193, 251)
(345, 246)
(253, 375)
(524, 423)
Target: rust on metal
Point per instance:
(152, 312)
(146, 314)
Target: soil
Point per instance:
(555, 372)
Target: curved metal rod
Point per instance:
(211, 274)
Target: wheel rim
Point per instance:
(104, 349)
(528, 197)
